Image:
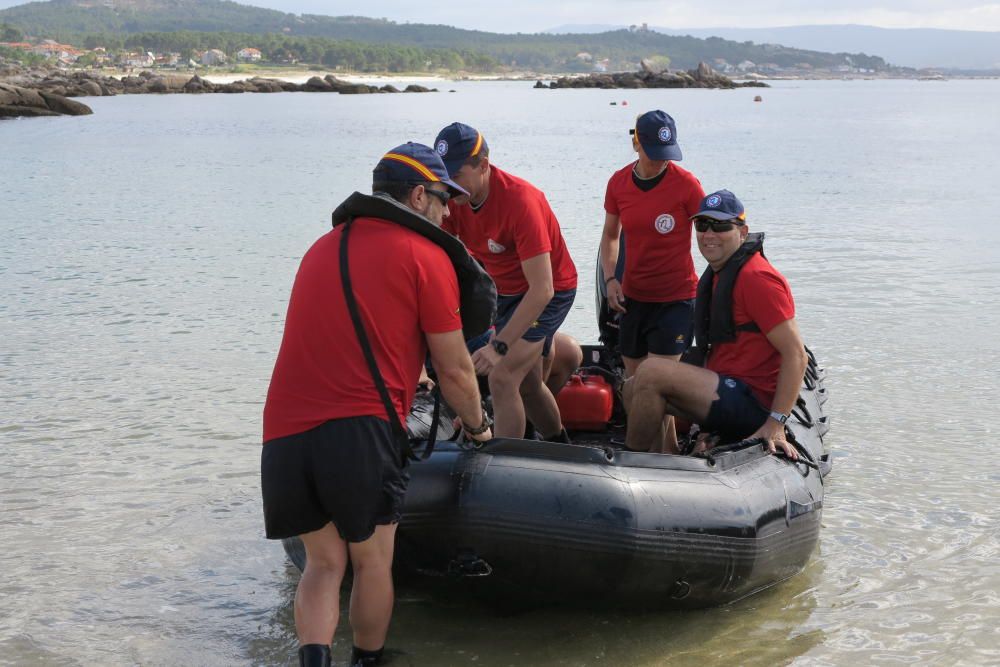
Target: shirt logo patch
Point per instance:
(731, 383)
(664, 134)
(664, 223)
(495, 247)
(442, 148)
(713, 201)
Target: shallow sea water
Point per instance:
(147, 255)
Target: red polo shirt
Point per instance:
(657, 226)
(514, 224)
(405, 287)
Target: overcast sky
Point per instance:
(536, 15)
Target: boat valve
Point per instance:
(681, 590)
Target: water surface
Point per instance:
(147, 255)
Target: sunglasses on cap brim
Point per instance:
(717, 226)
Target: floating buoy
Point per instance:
(758, 98)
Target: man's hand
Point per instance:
(773, 434)
(616, 299)
(486, 357)
(485, 436)
(425, 383)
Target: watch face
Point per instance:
(500, 347)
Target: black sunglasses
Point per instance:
(442, 197)
(717, 226)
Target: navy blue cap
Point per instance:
(721, 205)
(657, 134)
(457, 143)
(414, 163)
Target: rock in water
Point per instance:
(16, 101)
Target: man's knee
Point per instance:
(503, 381)
(655, 374)
(328, 559)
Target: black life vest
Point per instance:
(713, 309)
(477, 293)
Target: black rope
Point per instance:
(804, 417)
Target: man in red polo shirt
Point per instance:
(745, 318)
(508, 226)
(331, 471)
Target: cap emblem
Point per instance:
(664, 134)
(665, 223)
(442, 148)
(713, 201)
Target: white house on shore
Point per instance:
(249, 55)
(214, 57)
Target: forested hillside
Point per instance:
(111, 21)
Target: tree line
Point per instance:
(380, 43)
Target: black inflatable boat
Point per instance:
(591, 523)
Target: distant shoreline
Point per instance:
(300, 76)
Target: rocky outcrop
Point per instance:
(16, 101)
(701, 77)
(64, 84)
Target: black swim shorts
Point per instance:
(736, 414)
(545, 327)
(345, 471)
(656, 328)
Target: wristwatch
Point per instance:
(500, 347)
(779, 417)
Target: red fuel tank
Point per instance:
(585, 403)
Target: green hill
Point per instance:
(73, 20)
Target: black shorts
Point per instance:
(544, 328)
(737, 413)
(656, 328)
(345, 471)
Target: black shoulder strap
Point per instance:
(406, 452)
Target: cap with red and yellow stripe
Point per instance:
(414, 163)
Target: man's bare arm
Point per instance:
(457, 378)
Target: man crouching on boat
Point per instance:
(754, 358)
(331, 467)
(508, 225)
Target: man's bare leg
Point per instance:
(317, 599)
(668, 443)
(540, 405)
(664, 386)
(505, 387)
(564, 359)
(372, 595)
